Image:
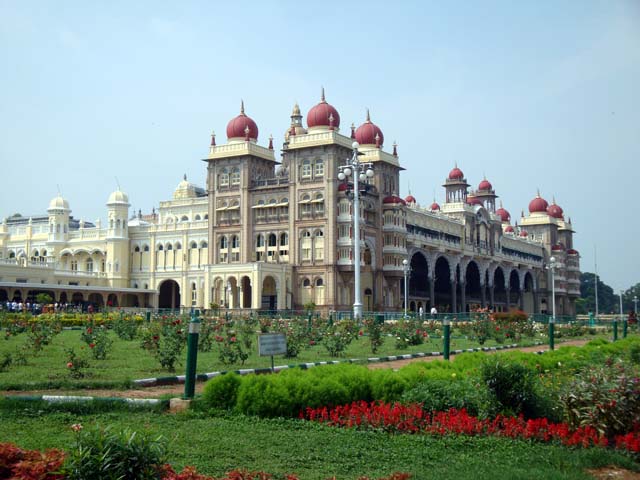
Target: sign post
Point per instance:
(270, 344)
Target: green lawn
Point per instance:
(218, 444)
(127, 361)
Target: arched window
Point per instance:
(12, 254)
(194, 245)
(235, 176)
(284, 238)
(89, 266)
(306, 282)
(319, 201)
(319, 282)
(203, 244)
(223, 242)
(305, 170)
(235, 242)
(118, 224)
(184, 218)
(272, 239)
(260, 241)
(137, 249)
(223, 180)
(197, 217)
(146, 248)
(206, 216)
(178, 246)
(169, 247)
(160, 248)
(318, 168)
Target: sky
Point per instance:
(533, 95)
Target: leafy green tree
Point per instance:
(607, 300)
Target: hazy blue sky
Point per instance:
(538, 94)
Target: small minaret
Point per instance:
(456, 186)
(59, 213)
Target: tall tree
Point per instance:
(607, 300)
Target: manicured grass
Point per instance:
(127, 361)
(218, 444)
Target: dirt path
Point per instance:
(178, 390)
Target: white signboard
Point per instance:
(270, 344)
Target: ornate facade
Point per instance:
(277, 233)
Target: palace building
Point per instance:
(276, 232)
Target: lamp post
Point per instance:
(635, 304)
(406, 268)
(360, 172)
(552, 266)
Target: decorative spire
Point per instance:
(368, 117)
(270, 142)
(296, 110)
(213, 138)
(184, 177)
(538, 193)
(522, 213)
(322, 100)
(395, 149)
(241, 107)
(553, 200)
(353, 131)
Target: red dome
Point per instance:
(393, 199)
(456, 174)
(523, 233)
(435, 206)
(557, 248)
(538, 204)
(555, 211)
(367, 132)
(237, 126)
(471, 200)
(508, 229)
(571, 251)
(410, 199)
(504, 215)
(485, 185)
(323, 114)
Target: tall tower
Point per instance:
(118, 239)
(58, 220)
(456, 186)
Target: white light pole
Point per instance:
(621, 313)
(635, 304)
(360, 172)
(229, 289)
(406, 268)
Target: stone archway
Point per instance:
(269, 300)
(473, 289)
(418, 278)
(499, 289)
(442, 286)
(514, 290)
(112, 300)
(528, 294)
(96, 299)
(169, 294)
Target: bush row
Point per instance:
(485, 385)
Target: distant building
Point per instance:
(273, 233)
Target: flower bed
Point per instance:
(399, 418)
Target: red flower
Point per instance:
(70, 365)
(232, 339)
(91, 345)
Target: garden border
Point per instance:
(203, 377)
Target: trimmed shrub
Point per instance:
(222, 392)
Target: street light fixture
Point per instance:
(360, 172)
(406, 268)
(635, 304)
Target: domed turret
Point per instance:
(323, 116)
(485, 185)
(410, 199)
(58, 203)
(118, 198)
(456, 174)
(524, 234)
(538, 205)
(393, 199)
(435, 207)
(186, 189)
(555, 210)
(508, 229)
(504, 215)
(369, 133)
(242, 127)
(296, 127)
